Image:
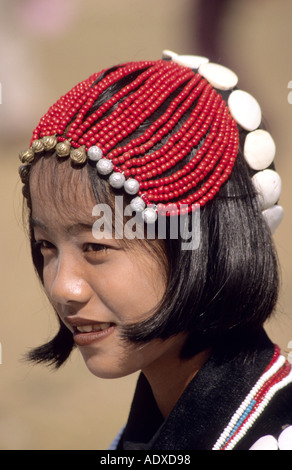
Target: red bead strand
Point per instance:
(118, 96)
(187, 141)
(141, 144)
(130, 116)
(170, 146)
(209, 131)
(60, 114)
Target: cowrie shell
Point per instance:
(245, 110)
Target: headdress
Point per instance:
(183, 157)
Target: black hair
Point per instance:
(220, 293)
(223, 291)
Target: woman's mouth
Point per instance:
(89, 328)
(84, 335)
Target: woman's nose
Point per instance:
(69, 284)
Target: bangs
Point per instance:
(80, 192)
(64, 187)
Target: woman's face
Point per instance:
(96, 286)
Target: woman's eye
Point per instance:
(44, 245)
(95, 247)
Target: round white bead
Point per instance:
(137, 204)
(94, 153)
(131, 186)
(117, 180)
(285, 439)
(265, 443)
(220, 77)
(268, 185)
(104, 166)
(149, 215)
(192, 61)
(259, 149)
(245, 110)
(273, 217)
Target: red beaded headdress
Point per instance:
(180, 161)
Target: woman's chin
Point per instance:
(104, 369)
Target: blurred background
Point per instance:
(46, 47)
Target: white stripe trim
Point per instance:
(114, 443)
(261, 381)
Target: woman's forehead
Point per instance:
(57, 186)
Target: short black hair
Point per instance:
(220, 293)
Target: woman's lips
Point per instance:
(93, 327)
(86, 334)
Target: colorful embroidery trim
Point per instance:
(276, 376)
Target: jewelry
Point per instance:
(197, 122)
(277, 375)
(284, 441)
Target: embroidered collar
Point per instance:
(203, 411)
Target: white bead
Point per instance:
(259, 149)
(137, 204)
(104, 166)
(285, 439)
(94, 153)
(265, 443)
(251, 418)
(192, 61)
(273, 217)
(268, 185)
(116, 180)
(220, 77)
(149, 215)
(245, 110)
(167, 54)
(131, 186)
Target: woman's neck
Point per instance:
(170, 375)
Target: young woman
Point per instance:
(151, 198)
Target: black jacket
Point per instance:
(208, 404)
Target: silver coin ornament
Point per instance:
(117, 180)
(131, 186)
(104, 166)
(94, 153)
(149, 215)
(137, 204)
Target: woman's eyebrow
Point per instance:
(72, 229)
(78, 227)
(37, 223)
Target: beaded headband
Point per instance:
(160, 179)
